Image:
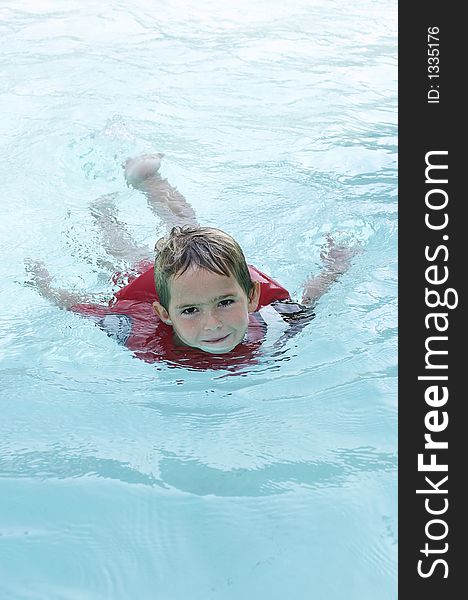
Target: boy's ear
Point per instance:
(254, 296)
(161, 312)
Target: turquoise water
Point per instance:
(120, 479)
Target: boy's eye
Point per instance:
(189, 311)
(227, 302)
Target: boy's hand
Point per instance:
(141, 168)
(40, 276)
(41, 280)
(337, 258)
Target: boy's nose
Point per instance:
(211, 321)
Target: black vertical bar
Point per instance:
(432, 257)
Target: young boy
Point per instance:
(200, 298)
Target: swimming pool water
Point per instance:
(120, 479)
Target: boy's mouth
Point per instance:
(216, 340)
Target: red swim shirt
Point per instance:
(131, 320)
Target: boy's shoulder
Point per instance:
(293, 315)
(293, 311)
(141, 287)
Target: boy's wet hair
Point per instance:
(204, 247)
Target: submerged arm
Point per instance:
(41, 280)
(336, 260)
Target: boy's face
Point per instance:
(208, 311)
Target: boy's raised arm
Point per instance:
(164, 200)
